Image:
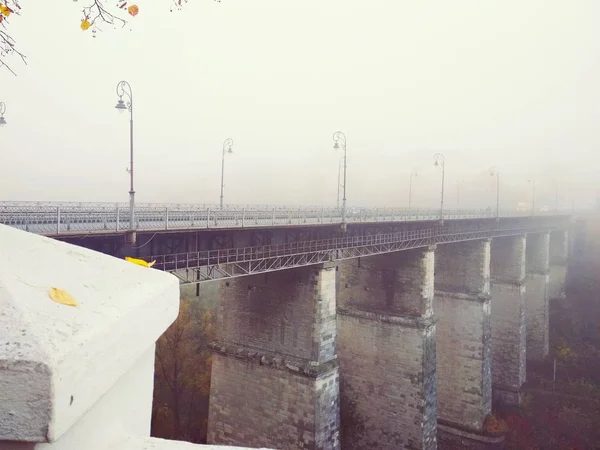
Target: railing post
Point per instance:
(322, 214)
(207, 217)
(273, 217)
(166, 218)
(58, 219)
(117, 219)
(243, 216)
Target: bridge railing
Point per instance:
(103, 218)
(192, 260)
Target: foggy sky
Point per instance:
(509, 84)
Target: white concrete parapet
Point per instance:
(78, 377)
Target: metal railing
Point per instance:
(195, 267)
(90, 218)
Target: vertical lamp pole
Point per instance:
(339, 140)
(532, 181)
(413, 174)
(458, 183)
(124, 89)
(438, 160)
(2, 111)
(496, 173)
(227, 148)
(339, 184)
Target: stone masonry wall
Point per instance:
(291, 312)
(463, 267)
(508, 317)
(536, 294)
(537, 315)
(398, 283)
(559, 247)
(508, 341)
(275, 371)
(388, 397)
(556, 281)
(538, 252)
(259, 406)
(462, 307)
(387, 351)
(559, 250)
(463, 359)
(508, 256)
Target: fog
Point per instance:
(508, 84)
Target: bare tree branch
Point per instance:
(95, 13)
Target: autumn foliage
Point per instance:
(94, 14)
(182, 375)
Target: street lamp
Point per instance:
(227, 145)
(413, 174)
(532, 181)
(339, 141)
(339, 184)
(458, 184)
(2, 111)
(438, 160)
(496, 173)
(124, 89)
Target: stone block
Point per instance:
(76, 376)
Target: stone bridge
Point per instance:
(394, 334)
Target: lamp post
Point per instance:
(339, 141)
(2, 111)
(532, 181)
(339, 185)
(438, 160)
(227, 148)
(458, 184)
(496, 173)
(413, 174)
(124, 89)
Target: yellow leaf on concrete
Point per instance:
(62, 296)
(85, 24)
(140, 262)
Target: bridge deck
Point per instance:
(84, 219)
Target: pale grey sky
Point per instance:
(512, 84)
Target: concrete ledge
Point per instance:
(474, 297)
(407, 321)
(509, 282)
(309, 369)
(455, 436)
(538, 272)
(57, 361)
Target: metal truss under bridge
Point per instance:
(55, 219)
(197, 267)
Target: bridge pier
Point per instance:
(462, 308)
(274, 369)
(508, 318)
(536, 295)
(386, 347)
(559, 252)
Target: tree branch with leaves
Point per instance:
(94, 14)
